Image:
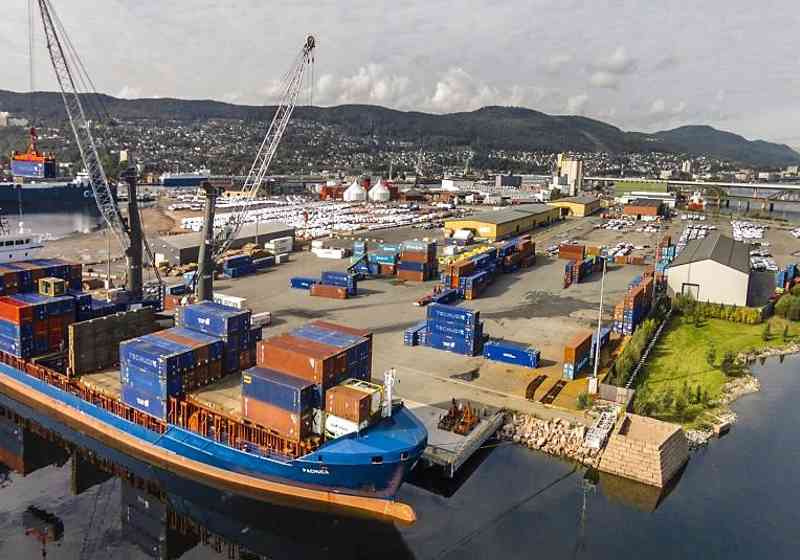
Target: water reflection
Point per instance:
(165, 516)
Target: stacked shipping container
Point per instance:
(317, 357)
(665, 254)
(417, 261)
(577, 353)
(632, 310)
(455, 329)
(571, 252)
(32, 325)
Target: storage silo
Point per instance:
(380, 192)
(355, 193)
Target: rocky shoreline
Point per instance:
(732, 390)
(556, 437)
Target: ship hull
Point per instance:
(34, 198)
(361, 486)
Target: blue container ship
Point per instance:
(158, 415)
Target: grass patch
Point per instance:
(679, 359)
(624, 186)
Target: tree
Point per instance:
(711, 356)
(667, 398)
(766, 334)
(584, 401)
(785, 333)
(698, 395)
(706, 397)
(728, 362)
(681, 404)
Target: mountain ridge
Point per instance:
(491, 127)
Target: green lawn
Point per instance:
(624, 186)
(679, 357)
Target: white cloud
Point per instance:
(576, 105)
(658, 106)
(679, 108)
(603, 79)
(556, 62)
(618, 63)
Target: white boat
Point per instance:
(20, 246)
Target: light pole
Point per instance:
(593, 378)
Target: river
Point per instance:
(736, 498)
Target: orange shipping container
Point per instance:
(15, 311)
(578, 346)
(306, 359)
(322, 290)
(348, 403)
(283, 422)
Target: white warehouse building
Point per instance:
(715, 269)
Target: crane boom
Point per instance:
(60, 55)
(291, 86)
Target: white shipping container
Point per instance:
(336, 426)
(282, 258)
(230, 301)
(330, 253)
(317, 244)
(263, 319)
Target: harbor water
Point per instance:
(735, 499)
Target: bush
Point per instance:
(728, 363)
(766, 334)
(667, 398)
(788, 307)
(696, 312)
(681, 404)
(585, 401)
(711, 356)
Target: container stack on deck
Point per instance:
(577, 353)
(417, 261)
(315, 358)
(632, 310)
(455, 329)
(210, 341)
(34, 324)
(511, 353)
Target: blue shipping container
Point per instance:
(213, 318)
(278, 389)
(437, 311)
(149, 404)
(302, 283)
(511, 353)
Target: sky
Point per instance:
(640, 65)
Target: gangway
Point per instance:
(597, 434)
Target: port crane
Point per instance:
(73, 81)
(214, 243)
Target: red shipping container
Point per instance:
(306, 359)
(322, 290)
(17, 312)
(577, 347)
(283, 422)
(201, 350)
(348, 403)
(411, 275)
(413, 256)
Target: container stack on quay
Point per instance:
(571, 252)
(418, 261)
(317, 358)
(576, 272)
(665, 254)
(605, 338)
(577, 353)
(632, 310)
(511, 353)
(451, 328)
(210, 342)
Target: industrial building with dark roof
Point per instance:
(714, 269)
(185, 248)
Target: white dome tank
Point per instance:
(380, 192)
(355, 193)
